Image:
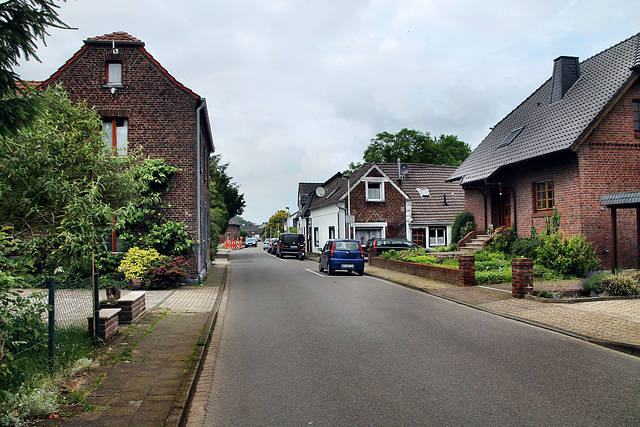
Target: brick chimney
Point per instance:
(566, 71)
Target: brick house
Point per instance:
(142, 105)
(414, 203)
(571, 142)
(233, 231)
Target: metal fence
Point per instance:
(61, 336)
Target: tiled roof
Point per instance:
(429, 209)
(621, 199)
(118, 36)
(562, 125)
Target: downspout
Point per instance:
(198, 195)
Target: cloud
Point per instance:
(296, 89)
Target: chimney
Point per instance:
(566, 71)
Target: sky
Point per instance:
(296, 89)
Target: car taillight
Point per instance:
(361, 251)
(332, 246)
(375, 242)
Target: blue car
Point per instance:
(342, 254)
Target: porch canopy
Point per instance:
(617, 201)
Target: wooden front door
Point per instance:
(504, 208)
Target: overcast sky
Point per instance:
(296, 89)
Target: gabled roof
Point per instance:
(443, 202)
(119, 38)
(547, 127)
(304, 190)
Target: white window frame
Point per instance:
(439, 240)
(367, 195)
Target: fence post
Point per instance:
(96, 306)
(52, 322)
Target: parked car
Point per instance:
(291, 244)
(251, 241)
(272, 245)
(342, 254)
(383, 244)
(266, 244)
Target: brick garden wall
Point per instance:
(465, 276)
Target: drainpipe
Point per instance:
(198, 195)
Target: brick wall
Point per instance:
(392, 210)
(161, 119)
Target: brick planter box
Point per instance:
(108, 323)
(465, 276)
(132, 306)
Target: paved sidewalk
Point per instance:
(615, 323)
(148, 373)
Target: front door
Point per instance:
(504, 208)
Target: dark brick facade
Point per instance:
(392, 210)
(162, 117)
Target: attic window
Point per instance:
(509, 139)
(423, 192)
(114, 73)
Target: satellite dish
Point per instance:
(404, 169)
(320, 191)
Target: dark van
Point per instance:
(290, 244)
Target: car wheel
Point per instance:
(320, 269)
(329, 270)
(360, 272)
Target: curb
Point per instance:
(184, 398)
(630, 349)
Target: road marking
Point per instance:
(315, 272)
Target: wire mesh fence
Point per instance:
(45, 331)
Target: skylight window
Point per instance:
(509, 139)
(423, 192)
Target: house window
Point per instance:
(332, 232)
(545, 197)
(418, 236)
(316, 238)
(636, 115)
(115, 135)
(437, 236)
(375, 191)
(114, 73)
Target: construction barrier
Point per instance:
(233, 244)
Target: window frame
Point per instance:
(108, 73)
(437, 231)
(636, 117)
(550, 202)
(381, 189)
(117, 146)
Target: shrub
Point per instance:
(390, 254)
(571, 256)
(545, 294)
(525, 247)
(488, 277)
(136, 262)
(166, 272)
(503, 240)
(543, 273)
(592, 281)
(459, 223)
(623, 284)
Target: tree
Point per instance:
(226, 200)
(59, 187)
(22, 23)
(277, 222)
(412, 146)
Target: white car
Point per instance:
(251, 241)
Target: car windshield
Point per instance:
(347, 246)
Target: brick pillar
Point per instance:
(522, 277)
(372, 254)
(467, 264)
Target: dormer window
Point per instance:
(114, 73)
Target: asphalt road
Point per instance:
(302, 348)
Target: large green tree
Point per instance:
(226, 199)
(22, 24)
(59, 187)
(412, 146)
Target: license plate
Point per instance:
(347, 265)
